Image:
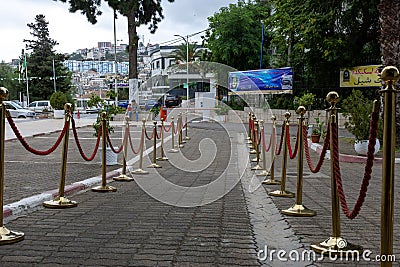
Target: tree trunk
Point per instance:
(389, 12)
(133, 44)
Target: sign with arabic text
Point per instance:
(360, 76)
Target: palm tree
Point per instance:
(180, 53)
(389, 11)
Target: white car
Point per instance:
(16, 111)
(40, 106)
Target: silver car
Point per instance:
(16, 111)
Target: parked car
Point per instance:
(172, 101)
(16, 111)
(150, 104)
(40, 106)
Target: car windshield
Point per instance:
(16, 105)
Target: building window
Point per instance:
(158, 64)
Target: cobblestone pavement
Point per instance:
(364, 230)
(131, 228)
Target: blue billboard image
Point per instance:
(264, 80)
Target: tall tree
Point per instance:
(9, 80)
(234, 34)
(389, 16)
(138, 12)
(40, 62)
(180, 53)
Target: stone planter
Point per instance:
(361, 147)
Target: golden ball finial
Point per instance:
(273, 118)
(144, 120)
(301, 110)
(68, 107)
(287, 115)
(332, 97)
(390, 73)
(3, 93)
(103, 115)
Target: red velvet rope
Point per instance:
(147, 136)
(292, 155)
(28, 147)
(263, 140)
(169, 128)
(323, 153)
(367, 171)
(117, 151)
(270, 140)
(159, 135)
(130, 142)
(79, 145)
(277, 152)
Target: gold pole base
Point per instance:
(299, 211)
(104, 189)
(180, 146)
(183, 142)
(123, 178)
(154, 165)
(162, 158)
(279, 193)
(256, 168)
(173, 150)
(271, 182)
(255, 160)
(263, 173)
(253, 151)
(335, 246)
(186, 138)
(140, 171)
(9, 237)
(247, 138)
(60, 203)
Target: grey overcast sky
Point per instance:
(72, 30)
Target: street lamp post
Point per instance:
(187, 66)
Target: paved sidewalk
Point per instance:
(139, 226)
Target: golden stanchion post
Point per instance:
(264, 171)
(154, 164)
(248, 138)
(271, 180)
(282, 192)
(257, 167)
(299, 209)
(179, 124)
(103, 187)
(390, 75)
(163, 157)
(6, 236)
(187, 126)
(123, 177)
(140, 169)
(173, 148)
(61, 201)
(334, 244)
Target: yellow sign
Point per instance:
(360, 76)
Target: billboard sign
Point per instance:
(261, 81)
(360, 76)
